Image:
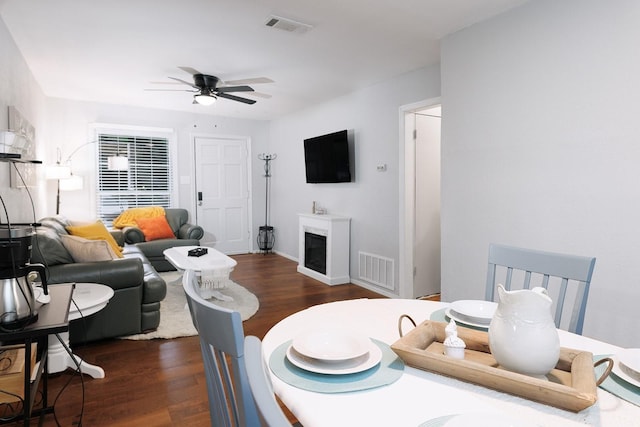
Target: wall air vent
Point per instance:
(376, 269)
(288, 25)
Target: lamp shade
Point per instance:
(118, 163)
(58, 172)
(72, 183)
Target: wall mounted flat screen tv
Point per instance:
(326, 158)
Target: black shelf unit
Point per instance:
(53, 318)
(10, 157)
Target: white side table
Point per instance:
(87, 299)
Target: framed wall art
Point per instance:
(24, 144)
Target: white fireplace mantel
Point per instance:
(337, 231)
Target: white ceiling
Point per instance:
(111, 50)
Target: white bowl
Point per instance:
(331, 344)
(336, 367)
(477, 311)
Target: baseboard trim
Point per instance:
(373, 288)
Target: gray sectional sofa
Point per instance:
(138, 288)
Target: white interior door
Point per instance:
(222, 193)
(427, 203)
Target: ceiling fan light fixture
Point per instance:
(204, 98)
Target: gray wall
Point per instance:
(540, 149)
(18, 88)
(372, 199)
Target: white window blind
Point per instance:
(147, 182)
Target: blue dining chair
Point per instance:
(261, 387)
(555, 272)
(222, 341)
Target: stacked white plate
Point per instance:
(476, 313)
(626, 366)
(333, 352)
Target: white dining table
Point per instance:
(419, 396)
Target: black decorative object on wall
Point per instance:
(266, 238)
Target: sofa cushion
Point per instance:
(85, 250)
(47, 248)
(129, 216)
(56, 223)
(96, 231)
(155, 228)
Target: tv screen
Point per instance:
(326, 158)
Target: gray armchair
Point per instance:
(186, 235)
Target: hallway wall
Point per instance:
(540, 149)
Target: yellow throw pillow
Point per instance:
(85, 250)
(96, 231)
(155, 228)
(128, 217)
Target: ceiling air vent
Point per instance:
(288, 25)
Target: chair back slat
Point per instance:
(261, 386)
(491, 278)
(507, 282)
(221, 341)
(561, 296)
(545, 281)
(527, 280)
(548, 268)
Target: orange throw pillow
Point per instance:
(155, 228)
(95, 231)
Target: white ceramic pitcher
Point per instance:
(522, 335)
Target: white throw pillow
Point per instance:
(85, 250)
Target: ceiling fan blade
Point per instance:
(236, 98)
(255, 80)
(234, 89)
(170, 90)
(260, 95)
(190, 70)
(164, 83)
(185, 82)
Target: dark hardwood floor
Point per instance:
(161, 382)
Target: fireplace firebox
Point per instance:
(315, 252)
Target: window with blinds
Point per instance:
(147, 182)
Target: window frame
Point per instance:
(132, 132)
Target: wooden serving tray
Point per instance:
(570, 386)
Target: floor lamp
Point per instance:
(67, 181)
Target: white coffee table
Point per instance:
(214, 267)
(87, 299)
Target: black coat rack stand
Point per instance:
(266, 238)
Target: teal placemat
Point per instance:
(386, 372)
(440, 316)
(615, 385)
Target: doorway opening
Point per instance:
(420, 241)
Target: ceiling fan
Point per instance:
(209, 88)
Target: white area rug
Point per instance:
(175, 320)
